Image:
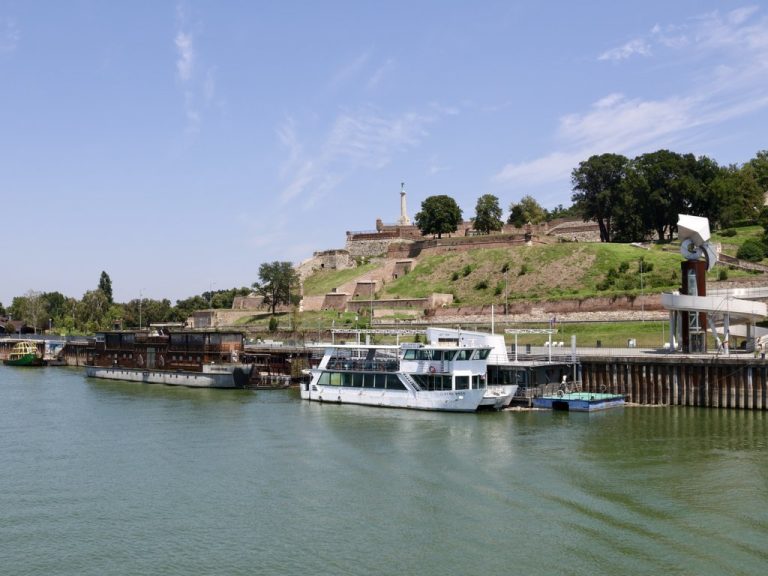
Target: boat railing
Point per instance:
(361, 365)
(549, 389)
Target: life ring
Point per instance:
(432, 370)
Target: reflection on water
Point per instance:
(103, 477)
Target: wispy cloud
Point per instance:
(185, 55)
(10, 35)
(198, 87)
(735, 29)
(734, 87)
(379, 74)
(364, 139)
(631, 48)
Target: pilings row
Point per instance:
(716, 382)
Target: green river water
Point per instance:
(105, 478)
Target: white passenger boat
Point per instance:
(406, 376)
(503, 376)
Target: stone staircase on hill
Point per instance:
(380, 275)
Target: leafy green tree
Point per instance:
(527, 210)
(561, 212)
(488, 214)
(596, 187)
(92, 310)
(275, 281)
(105, 285)
(439, 215)
(664, 184)
(185, 308)
(2, 310)
(735, 197)
(759, 167)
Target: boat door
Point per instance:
(150, 357)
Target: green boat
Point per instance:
(24, 353)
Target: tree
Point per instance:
(105, 285)
(735, 196)
(439, 215)
(596, 187)
(759, 166)
(527, 210)
(275, 281)
(488, 214)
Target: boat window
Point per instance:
(393, 382)
(483, 353)
(335, 379)
(462, 382)
(448, 355)
(410, 354)
(380, 380)
(478, 382)
(464, 354)
(357, 380)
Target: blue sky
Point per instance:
(178, 145)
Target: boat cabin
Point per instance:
(159, 349)
(426, 368)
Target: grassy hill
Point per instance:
(548, 271)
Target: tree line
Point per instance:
(96, 310)
(640, 198)
(630, 199)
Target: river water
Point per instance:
(108, 478)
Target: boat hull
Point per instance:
(446, 400)
(223, 377)
(498, 397)
(28, 360)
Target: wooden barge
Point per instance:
(210, 359)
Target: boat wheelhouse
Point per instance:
(406, 376)
(209, 359)
(503, 378)
(24, 353)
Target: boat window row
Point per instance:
(502, 375)
(461, 354)
(361, 364)
(433, 382)
(360, 380)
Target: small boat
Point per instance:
(579, 401)
(406, 376)
(24, 353)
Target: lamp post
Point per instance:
(141, 297)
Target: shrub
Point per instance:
(499, 289)
(467, 270)
(729, 232)
(723, 274)
(454, 276)
(751, 250)
(623, 267)
(505, 268)
(273, 324)
(523, 270)
(482, 285)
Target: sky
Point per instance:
(179, 145)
